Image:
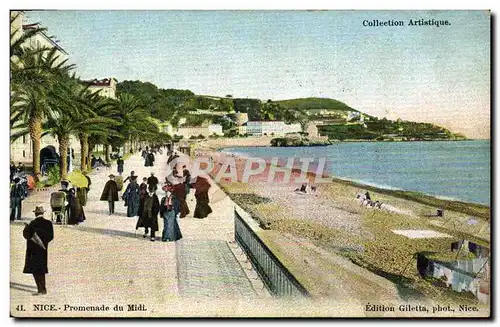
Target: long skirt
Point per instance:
(82, 196)
(176, 205)
(202, 208)
(184, 209)
(133, 207)
(171, 229)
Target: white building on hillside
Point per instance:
(206, 131)
(270, 128)
(106, 87)
(215, 129)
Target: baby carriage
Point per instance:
(59, 210)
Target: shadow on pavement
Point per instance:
(23, 287)
(110, 232)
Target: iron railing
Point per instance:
(276, 277)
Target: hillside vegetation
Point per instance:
(335, 119)
(315, 103)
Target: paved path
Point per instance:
(104, 261)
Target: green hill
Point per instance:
(315, 103)
(172, 104)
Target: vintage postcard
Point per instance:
(181, 163)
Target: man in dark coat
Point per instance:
(119, 164)
(16, 199)
(148, 218)
(110, 193)
(153, 182)
(151, 159)
(38, 234)
(93, 162)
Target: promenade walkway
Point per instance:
(104, 261)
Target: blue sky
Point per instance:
(434, 74)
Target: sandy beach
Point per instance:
(330, 230)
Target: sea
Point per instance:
(454, 170)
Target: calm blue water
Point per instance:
(453, 170)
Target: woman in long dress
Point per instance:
(171, 229)
(202, 209)
(131, 197)
(179, 191)
(76, 213)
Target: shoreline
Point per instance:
(310, 230)
(421, 197)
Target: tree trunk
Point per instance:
(106, 153)
(35, 128)
(89, 155)
(63, 151)
(84, 149)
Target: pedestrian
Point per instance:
(151, 159)
(119, 164)
(202, 208)
(187, 178)
(17, 195)
(132, 174)
(149, 214)
(153, 181)
(131, 197)
(20, 168)
(110, 193)
(179, 191)
(38, 233)
(83, 191)
(171, 229)
(77, 215)
(12, 170)
(93, 162)
(143, 191)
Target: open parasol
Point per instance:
(77, 179)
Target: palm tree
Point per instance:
(99, 110)
(134, 119)
(34, 74)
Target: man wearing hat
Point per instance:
(110, 193)
(38, 234)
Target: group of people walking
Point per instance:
(141, 201)
(148, 156)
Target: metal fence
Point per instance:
(278, 280)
